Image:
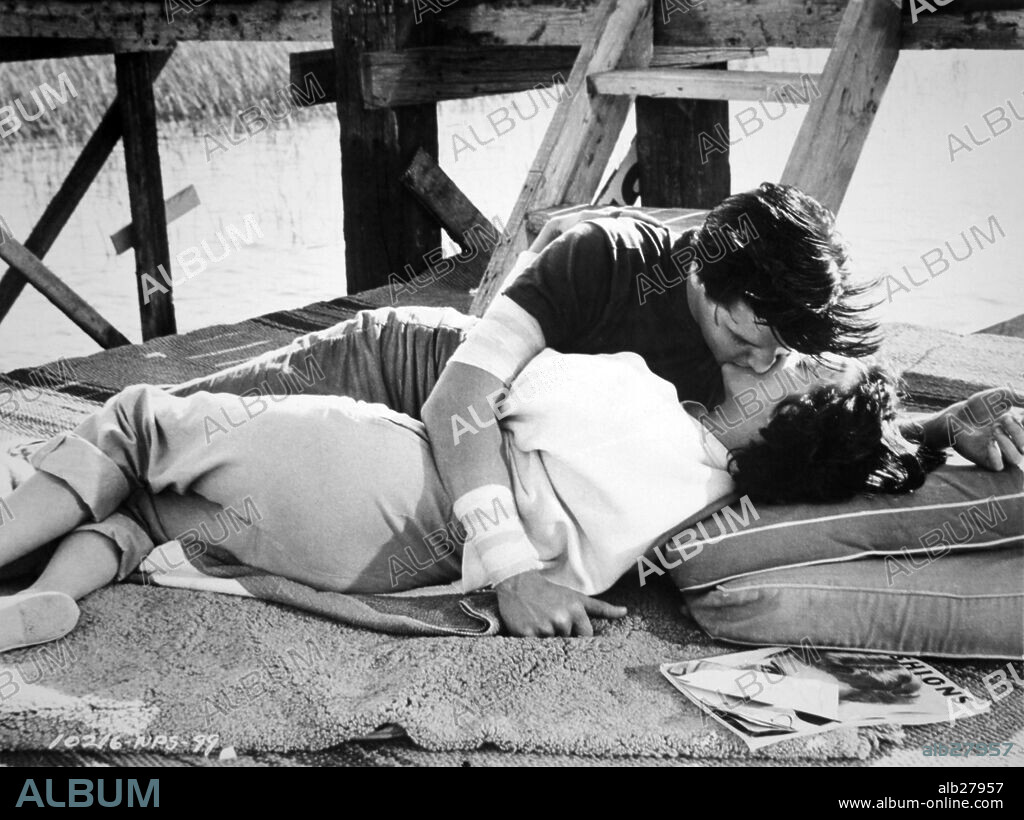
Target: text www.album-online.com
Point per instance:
(936, 803)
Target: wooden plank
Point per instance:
(938, 367)
(412, 76)
(136, 25)
(431, 74)
(836, 127)
(385, 226)
(320, 63)
(678, 219)
(53, 288)
(1011, 327)
(145, 190)
(737, 23)
(176, 207)
(85, 169)
(426, 75)
(698, 85)
(581, 135)
(454, 211)
(18, 49)
(978, 24)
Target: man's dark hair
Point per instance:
(831, 443)
(778, 250)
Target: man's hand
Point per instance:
(987, 428)
(532, 606)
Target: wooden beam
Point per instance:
(836, 127)
(1011, 327)
(581, 136)
(698, 85)
(87, 166)
(454, 211)
(411, 76)
(53, 288)
(971, 24)
(385, 227)
(434, 73)
(136, 24)
(320, 63)
(143, 24)
(18, 49)
(145, 191)
(421, 75)
(176, 207)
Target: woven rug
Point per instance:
(270, 681)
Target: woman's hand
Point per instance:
(532, 606)
(987, 428)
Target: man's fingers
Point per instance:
(581, 624)
(593, 606)
(994, 456)
(1007, 448)
(1011, 425)
(563, 624)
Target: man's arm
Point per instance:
(461, 417)
(986, 428)
(475, 474)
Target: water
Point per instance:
(906, 198)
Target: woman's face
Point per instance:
(751, 398)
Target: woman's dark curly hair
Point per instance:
(832, 442)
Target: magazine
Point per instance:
(777, 693)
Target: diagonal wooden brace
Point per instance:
(582, 134)
(837, 124)
(77, 182)
(53, 288)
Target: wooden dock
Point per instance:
(385, 65)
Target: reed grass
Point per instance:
(202, 85)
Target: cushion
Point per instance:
(960, 605)
(959, 508)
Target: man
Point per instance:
(766, 277)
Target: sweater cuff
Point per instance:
(507, 558)
(495, 534)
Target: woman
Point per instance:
(343, 495)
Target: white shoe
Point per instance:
(30, 618)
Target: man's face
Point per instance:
(733, 333)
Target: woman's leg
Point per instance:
(38, 511)
(336, 493)
(83, 562)
(46, 611)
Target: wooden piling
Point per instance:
(145, 190)
(385, 227)
(673, 172)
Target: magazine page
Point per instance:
(775, 693)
